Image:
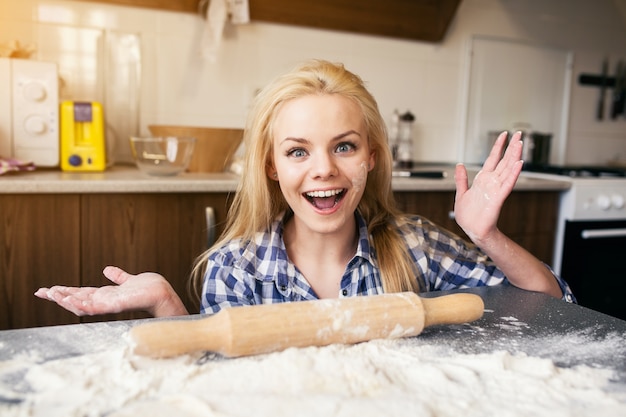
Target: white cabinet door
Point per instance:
(511, 83)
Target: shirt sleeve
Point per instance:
(447, 261)
(568, 295)
(224, 285)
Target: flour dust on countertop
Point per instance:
(459, 370)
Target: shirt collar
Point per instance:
(363, 250)
(266, 256)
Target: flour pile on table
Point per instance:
(384, 377)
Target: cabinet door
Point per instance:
(436, 206)
(530, 218)
(537, 81)
(39, 247)
(161, 233)
(424, 20)
(527, 217)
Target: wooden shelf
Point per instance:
(423, 20)
(411, 19)
(171, 5)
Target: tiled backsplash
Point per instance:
(176, 85)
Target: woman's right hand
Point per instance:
(147, 291)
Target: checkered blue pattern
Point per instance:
(259, 271)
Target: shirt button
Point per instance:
(283, 288)
(344, 292)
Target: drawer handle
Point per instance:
(597, 234)
(210, 225)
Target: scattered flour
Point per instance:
(382, 377)
(511, 323)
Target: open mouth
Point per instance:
(325, 199)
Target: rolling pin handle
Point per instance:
(452, 309)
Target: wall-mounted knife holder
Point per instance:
(605, 82)
(596, 80)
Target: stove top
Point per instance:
(577, 171)
(596, 192)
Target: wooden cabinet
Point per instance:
(68, 239)
(527, 217)
(161, 233)
(423, 20)
(169, 5)
(39, 247)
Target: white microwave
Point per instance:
(29, 111)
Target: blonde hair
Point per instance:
(259, 200)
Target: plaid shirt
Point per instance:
(259, 271)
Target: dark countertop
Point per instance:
(539, 325)
(514, 320)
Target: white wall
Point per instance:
(179, 87)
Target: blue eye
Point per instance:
(345, 147)
(297, 153)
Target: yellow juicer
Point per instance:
(83, 145)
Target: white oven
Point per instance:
(29, 111)
(590, 246)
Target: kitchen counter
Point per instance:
(128, 179)
(516, 321)
(118, 179)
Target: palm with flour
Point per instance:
(147, 291)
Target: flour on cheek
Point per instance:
(359, 180)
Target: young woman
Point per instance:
(314, 215)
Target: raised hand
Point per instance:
(146, 291)
(477, 208)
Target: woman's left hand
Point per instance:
(477, 208)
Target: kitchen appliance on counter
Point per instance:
(591, 235)
(82, 136)
(29, 111)
(537, 148)
(536, 145)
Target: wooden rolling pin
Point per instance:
(250, 330)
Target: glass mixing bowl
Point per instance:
(164, 155)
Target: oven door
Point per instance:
(594, 264)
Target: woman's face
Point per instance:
(321, 159)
